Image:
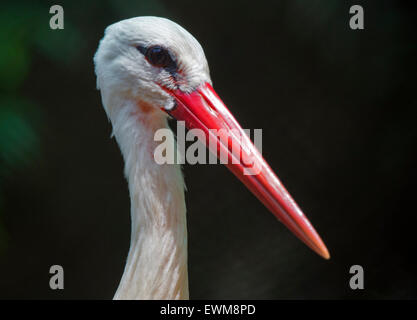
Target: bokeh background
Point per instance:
(338, 113)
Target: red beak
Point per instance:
(203, 109)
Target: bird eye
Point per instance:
(159, 57)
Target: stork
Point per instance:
(149, 69)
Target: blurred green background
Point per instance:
(337, 108)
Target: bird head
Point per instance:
(145, 58)
(155, 61)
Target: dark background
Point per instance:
(338, 112)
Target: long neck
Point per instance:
(156, 266)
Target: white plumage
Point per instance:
(156, 266)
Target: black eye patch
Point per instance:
(159, 57)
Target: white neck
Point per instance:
(156, 266)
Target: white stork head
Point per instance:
(140, 57)
(156, 62)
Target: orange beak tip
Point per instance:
(325, 254)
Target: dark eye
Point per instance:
(159, 57)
